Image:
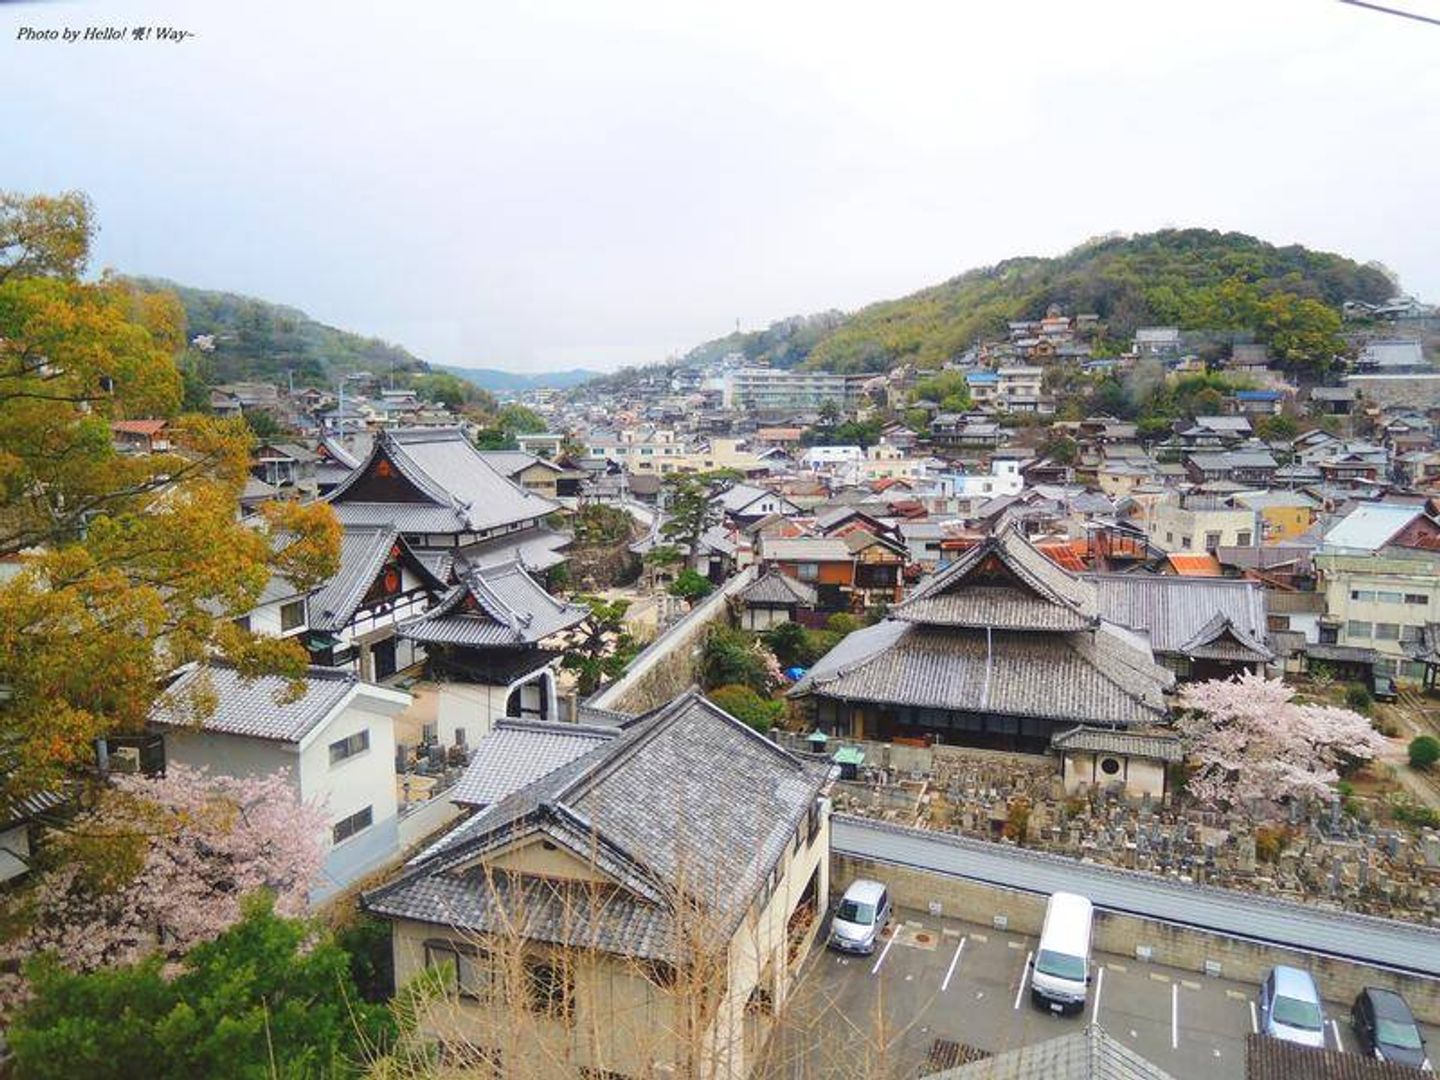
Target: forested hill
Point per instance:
(1193, 278)
(255, 339)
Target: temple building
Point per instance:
(1002, 648)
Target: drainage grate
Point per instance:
(949, 1054)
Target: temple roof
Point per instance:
(1002, 583)
(494, 606)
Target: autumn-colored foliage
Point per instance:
(131, 564)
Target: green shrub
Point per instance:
(691, 585)
(746, 705)
(731, 656)
(1424, 751)
(1358, 698)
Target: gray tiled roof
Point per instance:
(537, 548)
(1172, 610)
(1104, 741)
(253, 707)
(687, 801)
(1221, 639)
(804, 549)
(519, 752)
(777, 588)
(1081, 1055)
(494, 606)
(1029, 592)
(1094, 676)
(445, 467)
(363, 552)
(513, 462)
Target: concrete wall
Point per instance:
(667, 667)
(1169, 944)
(1137, 776)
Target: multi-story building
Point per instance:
(1199, 523)
(779, 390)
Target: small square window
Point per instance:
(350, 826)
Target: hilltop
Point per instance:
(1192, 278)
(256, 339)
(514, 382)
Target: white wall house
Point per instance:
(335, 743)
(1003, 479)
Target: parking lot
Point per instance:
(937, 989)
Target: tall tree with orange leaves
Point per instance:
(121, 566)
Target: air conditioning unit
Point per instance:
(125, 759)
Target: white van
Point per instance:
(1061, 972)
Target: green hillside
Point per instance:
(255, 339)
(1197, 279)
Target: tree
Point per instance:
(1424, 751)
(517, 419)
(1250, 741)
(746, 705)
(691, 585)
(732, 656)
(130, 564)
(829, 413)
(446, 389)
(164, 863)
(270, 997)
(690, 509)
(262, 424)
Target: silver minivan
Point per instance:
(1290, 1007)
(860, 916)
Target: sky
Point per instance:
(551, 184)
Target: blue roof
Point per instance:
(982, 377)
(1257, 395)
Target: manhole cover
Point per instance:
(923, 939)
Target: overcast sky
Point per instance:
(535, 185)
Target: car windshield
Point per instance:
(856, 912)
(1292, 1012)
(1060, 965)
(1397, 1033)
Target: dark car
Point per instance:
(1385, 1026)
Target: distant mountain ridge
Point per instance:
(259, 340)
(1160, 278)
(497, 381)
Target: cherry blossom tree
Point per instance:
(164, 863)
(1250, 740)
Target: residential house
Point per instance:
(531, 472)
(1283, 515)
(285, 465)
(335, 745)
(772, 599)
(825, 563)
(563, 875)
(1235, 466)
(745, 504)
(1200, 523)
(1380, 571)
(1258, 402)
(1159, 342)
(140, 436)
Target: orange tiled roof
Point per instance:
(1195, 565)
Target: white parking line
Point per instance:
(951, 970)
(1099, 989)
(884, 953)
(1174, 1016)
(1336, 1029)
(1025, 974)
(1254, 1023)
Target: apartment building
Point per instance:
(754, 389)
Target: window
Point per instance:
(1415, 598)
(1242, 539)
(1410, 635)
(1388, 597)
(292, 615)
(1357, 629)
(808, 571)
(243, 622)
(349, 746)
(347, 827)
(1387, 631)
(548, 988)
(1109, 766)
(1185, 542)
(466, 968)
(1364, 595)
(1212, 541)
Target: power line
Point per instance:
(1392, 11)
